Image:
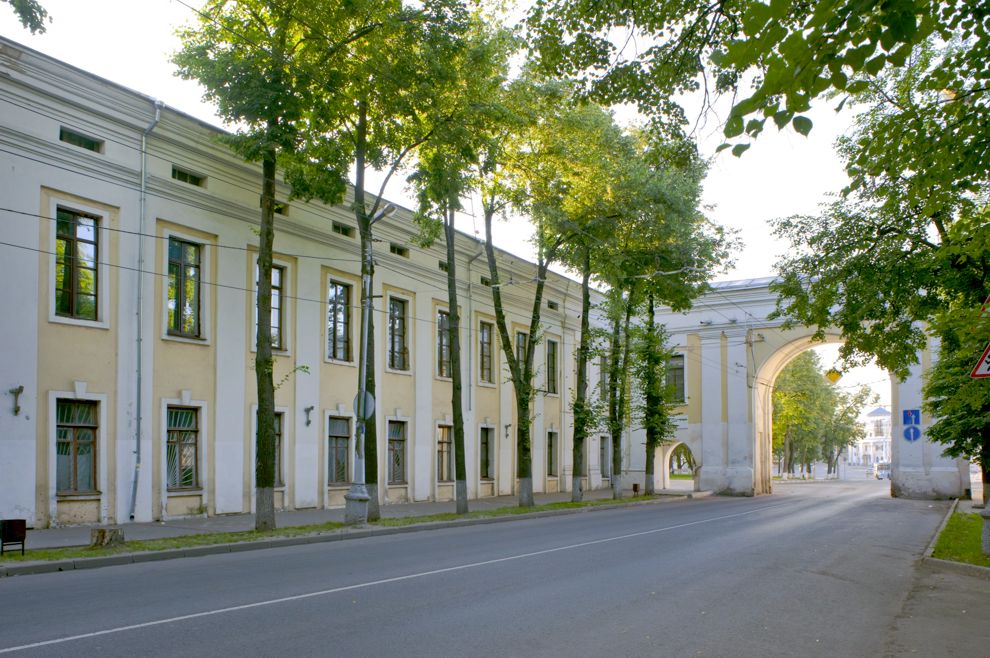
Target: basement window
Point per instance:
(186, 176)
(80, 140)
(343, 229)
(398, 250)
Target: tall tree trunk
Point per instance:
(264, 470)
(521, 373)
(454, 339)
(581, 411)
(617, 391)
(985, 462)
(653, 400)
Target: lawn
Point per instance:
(960, 540)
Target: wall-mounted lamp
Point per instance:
(16, 392)
(307, 411)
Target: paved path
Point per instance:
(821, 570)
(79, 535)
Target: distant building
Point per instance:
(875, 446)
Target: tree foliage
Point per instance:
(812, 420)
(31, 14)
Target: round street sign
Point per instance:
(912, 433)
(369, 405)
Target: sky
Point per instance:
(130, 42)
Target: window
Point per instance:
(878, 428)
(485, 348)
(186, 176)
(603, 377)
(675, 378)
(398, 250)
(80, 140)
(552, 453)
(184, 288)
(339, 441)
(552, 305)
(551, 366)
(75, 446)
(77, 255)
(343, 229)
(485, 448)
(521, 339)
(396, 452)
(339, 321)
(442, 264)
(443, 344)
(398, 351)
(279, 424)
(604, 457)
(182, 447)
(278, 278)
(485, 281)
(445, 454)
(281, 208)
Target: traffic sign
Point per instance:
(912, 416)
(912, 433)
(985, 309)
(982, 368)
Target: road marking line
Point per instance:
(383, 581)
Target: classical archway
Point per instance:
(733, 352)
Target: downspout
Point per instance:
(140, 302)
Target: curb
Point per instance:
(342, 534)
(941, 526)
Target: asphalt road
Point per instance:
(819, 569)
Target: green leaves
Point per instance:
(802, 125)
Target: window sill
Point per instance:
(338, 486)
(81, 495)
(405, 373)
(185, 492)
(188, 340)
(77, 322)
(484, 384)
(337, 362)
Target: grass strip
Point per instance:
(960, 540)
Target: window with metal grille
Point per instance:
(485, 359)
(398, 351)
(75, 446)
(443, 344)
(339, 440)
(184, 301)
(445, 454)
(182, 447)
(521, 340)
(396, 452)
(186, 176)
(485, 448)
(338, 321)
(77, 255)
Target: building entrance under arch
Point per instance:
(733, 353)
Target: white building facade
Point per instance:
(874, 447)
(128, 247)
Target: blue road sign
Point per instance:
(912, 416)
(912, 433)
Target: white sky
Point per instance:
(129, 42)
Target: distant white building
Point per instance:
(875, 446)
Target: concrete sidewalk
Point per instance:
(79, 535)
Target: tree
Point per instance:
(655, 407)
(392, 93)
(443, 177)
(268, 49)
(31, 14)
(959, 403)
